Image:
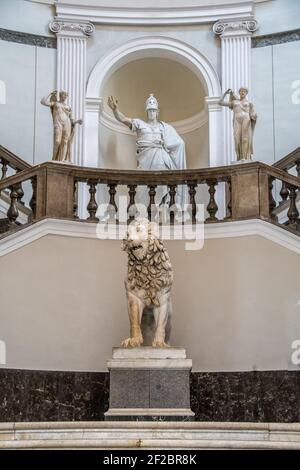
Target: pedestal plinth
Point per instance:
(149, 384)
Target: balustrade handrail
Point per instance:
(19, 177)
(13, 160)
(283, 176)
(289, 161)
(142, 177)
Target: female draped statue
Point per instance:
(159, 147)
(244, 120)
(63, 123)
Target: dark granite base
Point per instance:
(157, 388)
(52, 396)
(264, 396)
(150, 418)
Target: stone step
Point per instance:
(149, 435)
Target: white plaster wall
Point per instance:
(276, 94)
(286, 60)
(63, 306)
(263, 98)
(26, 125)
(179, 91)
(277, 15)
(26, 16)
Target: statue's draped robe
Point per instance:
(159, 147)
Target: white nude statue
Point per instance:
(159, 147)
(64, 125)
(244, 120)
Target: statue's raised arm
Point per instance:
(50, 99)
(113, 104)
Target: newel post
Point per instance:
(250, 193)
(55, 192)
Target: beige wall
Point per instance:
(180, 95)
(178, 90)
(63, 306)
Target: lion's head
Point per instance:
(139, 234)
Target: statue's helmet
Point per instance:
(151, 102)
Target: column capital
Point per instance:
(70, 27)
(236, 27)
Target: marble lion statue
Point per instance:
(148, 285)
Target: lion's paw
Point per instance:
(159, 343)
(135, 342)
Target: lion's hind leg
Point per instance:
(135, 310)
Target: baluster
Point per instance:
(293, 213)
(20, 191)
(284, 192)
(229, 204)
(13, 213)
(92, 205)
(212, 206)
(298, 167)
(4, 168)
(75, 203)
(192, 193)
(32, 202)
(151, 207)
(131, 205)
(272, 202)
(113, 209)
(172, 192)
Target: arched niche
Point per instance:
(158, 48)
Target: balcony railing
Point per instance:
(247, 188)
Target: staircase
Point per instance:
(4, 225)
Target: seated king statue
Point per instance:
(159, 147)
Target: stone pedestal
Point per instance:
(149, 384)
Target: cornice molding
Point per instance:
(152, 16)
(69, 228)
(67, 26)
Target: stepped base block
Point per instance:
(149, 384)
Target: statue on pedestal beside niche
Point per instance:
(148, 286)
(244, 121)
(159, 147)
(64, 125)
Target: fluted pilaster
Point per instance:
(71, 72)
(236, 67)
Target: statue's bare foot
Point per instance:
(134, 342)
(159, 343)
